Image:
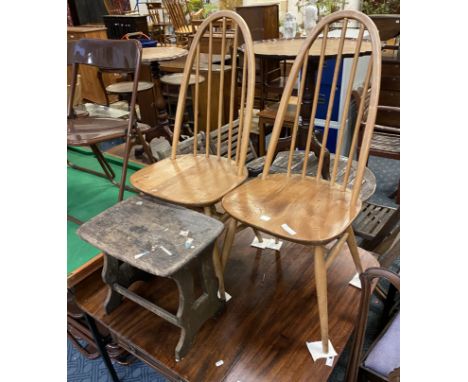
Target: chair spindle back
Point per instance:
(217, 94)
(322, 42)
(178, 13)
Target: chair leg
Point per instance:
(321, 287)
(103, 87)
(258, 235)
(146, 147)
(217, 261)
(128, 147)
(353, 248)
(228, 241)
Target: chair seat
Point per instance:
(385, 355)
(189, 180)
(88, 131)
(126, 87)
(316, 211)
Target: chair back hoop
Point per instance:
(368, 278)
(371, 82)
(106, 54)
(238, 148)
(178, 12)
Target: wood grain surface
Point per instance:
(189, 180)
(290, 47)
(141, 225)
(162, 53)
(262, 334)
(316, 211)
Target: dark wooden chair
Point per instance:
(90, 131)
(199, 181)
(310, 210)
(382, 361)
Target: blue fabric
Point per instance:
(385, 356)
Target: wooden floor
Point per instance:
(261, 335)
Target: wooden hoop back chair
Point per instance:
(181, 19)
(200, 180)
(118, 55)
(309, 209)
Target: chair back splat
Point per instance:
(227, 65)
(330, 39)
(118, 55)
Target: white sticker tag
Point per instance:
(219, 363)
(139, 203)
(141, 254)
(356, 281)
(184, 233)
(228, 296)
(329, 361)
(169, 253)
(265, 218)
(316, 350)
(258, 244)
(288, 229)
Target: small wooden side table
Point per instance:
(142, 238)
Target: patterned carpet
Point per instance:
(80, 369)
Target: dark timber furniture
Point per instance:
(261, 337)
(142, 238)
(90, 131)
(381, 363)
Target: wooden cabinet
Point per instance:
(91, 88)
(262, 19)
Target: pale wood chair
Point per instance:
(198, 180)
(305, 209)
(181, 20)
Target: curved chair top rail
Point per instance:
(218, 95)
(371, 82)
(105, 54)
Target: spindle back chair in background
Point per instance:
(180, 18)
(309, 209)
(200, 180)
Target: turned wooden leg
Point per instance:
(258, 235)
(228, 241)
(321, 286)
(217, 261)
(351, 240)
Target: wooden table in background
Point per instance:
(262, 334)
(288, 49)
(152, 57)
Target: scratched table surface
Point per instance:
(151, 235)
(280, 165)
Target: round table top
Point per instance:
(176, 79)
(289, 48)
(162, 53)
(127, 87)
